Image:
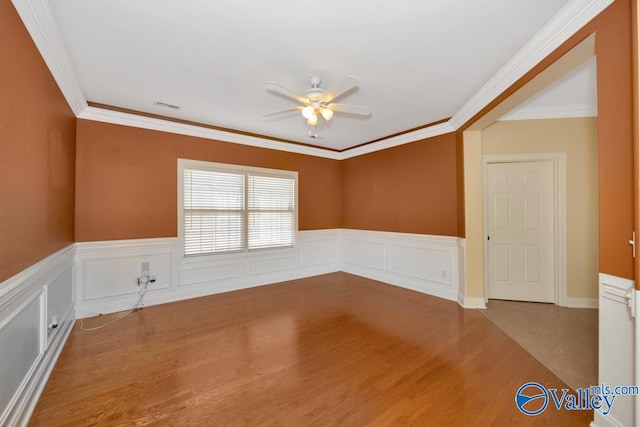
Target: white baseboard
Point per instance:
(396, 280)
(582, 302)
(106, 272)
(423, 263)
(472, 303)
(27, 303)
(179, 293)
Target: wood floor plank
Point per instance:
(335, 349)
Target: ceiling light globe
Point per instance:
(326, 113)
(308, 112)
(313, 120)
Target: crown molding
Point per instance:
(417, 135)
(151, 123)
(41, 25)
(133, 120)
(555, 112)
(571, 18)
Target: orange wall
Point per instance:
(127, 187)
(615, 139)
(635, 47)
(411, 188)
(126, 180)
(37, 151)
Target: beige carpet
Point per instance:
(565, 340)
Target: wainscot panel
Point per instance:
(615, 348)
(424, 263)
(36, 316)
(107, 272)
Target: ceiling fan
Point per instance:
(317, 102)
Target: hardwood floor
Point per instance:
(335, 349)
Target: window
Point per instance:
(226, 208)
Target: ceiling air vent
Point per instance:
(165, 105)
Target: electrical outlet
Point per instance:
(145, 268)
(53, 323)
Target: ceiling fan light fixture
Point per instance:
(316, 102)
(326, 113)
(308, 112)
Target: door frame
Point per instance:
(559, 161)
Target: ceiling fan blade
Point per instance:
(288, 110)
(361, 110)
(339, 89)
(281, 89)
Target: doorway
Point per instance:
(520, 231)
(525, 227)
(563, 336)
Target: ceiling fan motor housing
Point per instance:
(315, 92)
(315, 81)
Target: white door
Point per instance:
(521, 231)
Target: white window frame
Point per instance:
(231, 168)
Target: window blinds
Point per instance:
(228, 211)
(270, 212)
(213, 212)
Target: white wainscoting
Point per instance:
(29, 347)
(424, 263)
(616, 348)
(106, 272)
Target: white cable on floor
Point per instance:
(82, 328)
(144, 281)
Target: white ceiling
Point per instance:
(417, 62)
